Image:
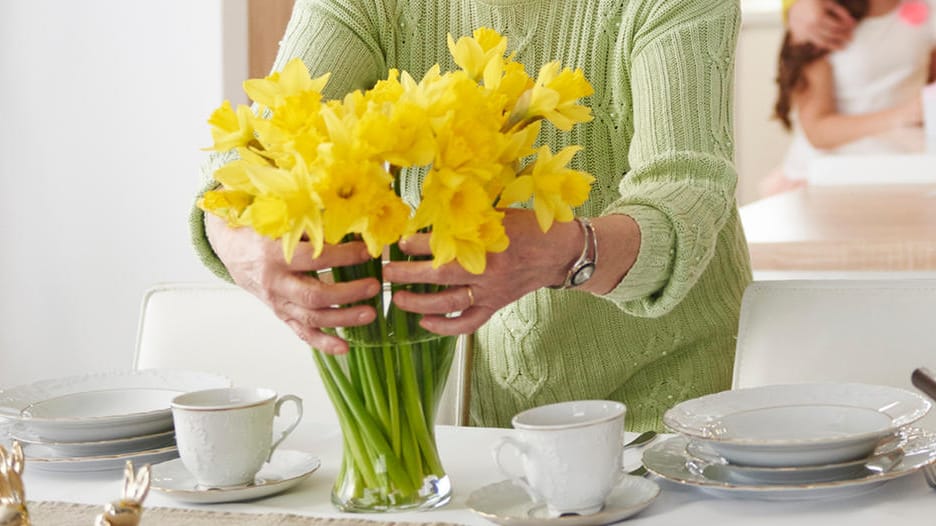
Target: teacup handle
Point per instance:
(520, 480)
(276, 411)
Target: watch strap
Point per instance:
(583, 267)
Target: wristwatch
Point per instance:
(584, 267)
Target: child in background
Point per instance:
(864, 98)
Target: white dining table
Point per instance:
(466, 454)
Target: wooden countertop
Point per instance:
(866, 228)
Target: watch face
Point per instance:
(583, 274)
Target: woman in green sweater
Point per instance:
(642, 305)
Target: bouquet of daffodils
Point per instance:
(329, 170)
(325, 169)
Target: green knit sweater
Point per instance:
(661, 149)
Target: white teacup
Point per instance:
(571, 454)
(225, 435)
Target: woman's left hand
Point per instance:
(533, 260)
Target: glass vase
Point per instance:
(386, 392)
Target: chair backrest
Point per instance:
(223, 329)
(867, 331)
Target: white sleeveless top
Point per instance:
(886, 63)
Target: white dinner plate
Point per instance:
(669, 460)
(99, 406)
(286, 469)
(508, 504)
(103, 462)
(797, 424)
(884, 458)
(40, 448)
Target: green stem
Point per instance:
(428, 381)
(371, 433)
(349, 431)
(396, 436)
(412, 400)
(412, 458)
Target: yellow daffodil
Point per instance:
(510, 85)
(468, 243)
(348, 188)
(233, 176)
(554, 97)
(226, 204)
(294, 79)
(386, 221)
(231, 129)
(556, 189)
(286, 207)
(485, 49)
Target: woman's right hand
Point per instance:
(305, 303)
(823, 23)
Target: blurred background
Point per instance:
(102, 113)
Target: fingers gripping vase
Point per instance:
(386, 391)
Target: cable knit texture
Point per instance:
(661, 148)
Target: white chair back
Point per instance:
(221, 328)
(867, 331)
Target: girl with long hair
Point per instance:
(865, 98)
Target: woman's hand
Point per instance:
(533, 260)
(823, 23)
(305, 303)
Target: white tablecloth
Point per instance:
(466, 455)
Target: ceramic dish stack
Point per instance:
(97, 422)
(794, 441)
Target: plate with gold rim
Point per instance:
(670, 460)
(99, 406)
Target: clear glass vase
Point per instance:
(386, 391)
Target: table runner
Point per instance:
(44, 513)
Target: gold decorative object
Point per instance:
(12, 494)
(129, 509)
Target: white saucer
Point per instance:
(669, 460)
(286, 469)
(508, 504)
(102, 462)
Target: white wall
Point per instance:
(760, 141)
(102, 113)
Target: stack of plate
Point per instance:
(794, 441)
(97, 422)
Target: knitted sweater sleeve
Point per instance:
(680, 189)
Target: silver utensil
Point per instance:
(642, 439)
(640, 471)
(929, 472)
(924, 380)
(639, 441)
